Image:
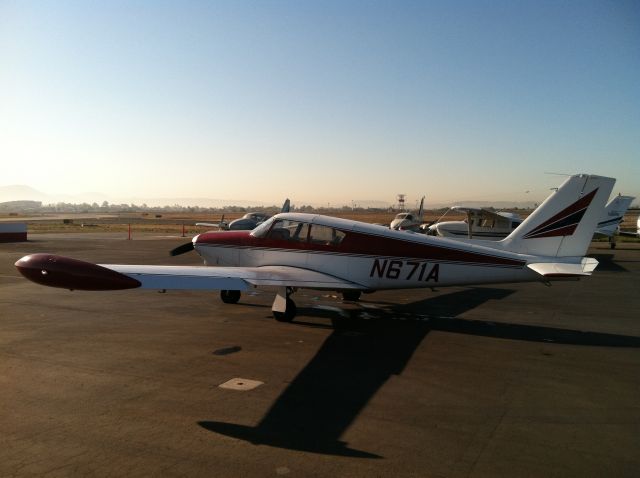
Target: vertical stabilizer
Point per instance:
(563, 225)
(613, 215)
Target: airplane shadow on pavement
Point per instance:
(368, 346)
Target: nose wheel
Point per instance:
(284, 308)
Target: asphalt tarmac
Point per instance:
(508, 380)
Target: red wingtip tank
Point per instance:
(67, 273)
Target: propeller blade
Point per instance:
(188, 247)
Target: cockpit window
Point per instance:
(295, 231)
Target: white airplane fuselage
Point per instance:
(371, 256)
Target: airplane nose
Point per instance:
(58, 271)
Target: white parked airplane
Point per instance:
(490, 225)
(291, 251)
(480, 223)
(407, 221)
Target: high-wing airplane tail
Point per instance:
(421, 210)
(563, 225)
(613, 215)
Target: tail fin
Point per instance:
(563, 225)
(613, 215)
(421, 210)
(286, 206)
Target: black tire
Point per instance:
(352, 295)
(230, 296)
(289, 314)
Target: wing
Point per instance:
(484, 213)
(64, 272)
(465, 209)
(216, 225)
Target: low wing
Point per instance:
(228, 278)
(216, 225)
(58, 271)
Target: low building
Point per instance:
(13, 231)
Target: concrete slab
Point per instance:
(511, 380)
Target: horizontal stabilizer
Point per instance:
(562, 269)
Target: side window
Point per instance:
(325, 235)
(301, 232)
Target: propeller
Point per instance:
(188, 247)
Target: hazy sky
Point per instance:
(320, 101)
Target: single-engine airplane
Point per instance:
(407, 221)
(485, 224)
(480, 223)
(245, 223)
(292, 251)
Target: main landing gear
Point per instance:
(230, 296)
(284, 308)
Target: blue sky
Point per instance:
(324, 102)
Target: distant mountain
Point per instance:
(27, 193)
(18, 192)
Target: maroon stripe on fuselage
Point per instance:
(357, 243)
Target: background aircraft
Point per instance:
(247, 222)
(408, 221)
(494, 226)
(609, 225)
(291, 251)
(480, 224)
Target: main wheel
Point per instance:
(352, 295)
(288, 314)
(230, 296)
